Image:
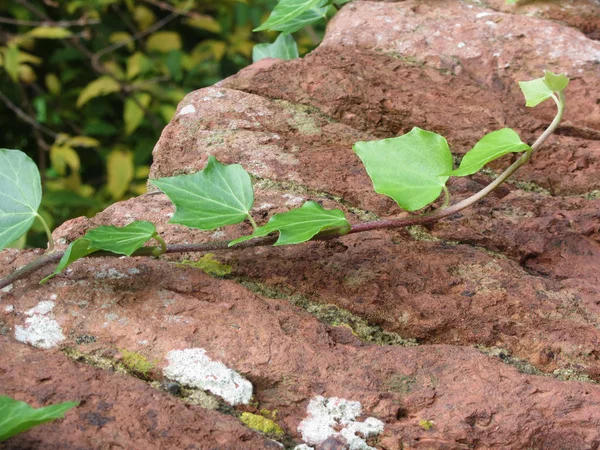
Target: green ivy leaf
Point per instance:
(490, 147)
(216, 196)
(289, 16)
(121, 240)
(541, 89)
(301, 225)
(284, 47)
(16, 416)
(410, 168)
(20, 195)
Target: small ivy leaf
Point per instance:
(285, 16)
(301, 225)
(556, 83)
(306, 18)
(284, 47)
(410, 168)
(20, 195)
(216, 196)
(122, 240)
(17, 416)
(490, 147)
(76, 250)
(541, 89)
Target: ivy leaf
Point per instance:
(216, 196)
(284, 47)
(121, 240)
(20, 195)
(301, 225)
(490, 147)
(76, 250)
(17, 416)
(286, 16)
(541, 89)
(410, 168)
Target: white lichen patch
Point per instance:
(326, 415)
(40, 330)
(187, 109)
(194, 368)
(9, 308)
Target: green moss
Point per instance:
(401, 383)
(333, 315)
(594, 195)
(136, 363)
(210, 265)
(262, 424)
(100, 362)
(267, 413)
(426, 424)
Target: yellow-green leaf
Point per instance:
(11, 62)
(204, 22)
(62, 156)
(164, 41)
(25, 57)
(122, 36)
(167, 112)
(144, 17)
(136, 64)
(53, 84)
(120, 172)
(26, 74)
(133, 114)
(102, 86)
(82, 141)
(49, 33)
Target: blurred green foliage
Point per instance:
(86, 86)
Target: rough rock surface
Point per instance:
(480, 331)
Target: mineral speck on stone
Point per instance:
(327, 414)
(188, 109)
(40, 330)
(194, 368)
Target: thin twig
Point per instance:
(26, 117)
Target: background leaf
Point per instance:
(408, 168)
(20, 195)
(102, 86)
(301, 225)
(284, 47)
(120, 170)
(133, 114)
(490, 147)
(49, 33)
(216, 196)
(17, 416)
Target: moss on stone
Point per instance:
(262, 424)
(136, 363)
(209, 264)
(426, 424)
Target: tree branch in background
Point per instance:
(49, 23)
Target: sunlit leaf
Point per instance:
(20, 195)
(306, 18)
(408, 168)
(286, 12)
(204, 22)
(137, 64)
(26, 74)
(120, 171)
(11, 62)
(17, 416)
(102, 86)
(133, 113)
(164, 41)
(82, 141)
(556, 82)
(122, 36)
(143, 16)
(492, 146)
(53, 84)
(63, 156)
(301, 225)
(284, 47)
(50, 33)
(216, 196)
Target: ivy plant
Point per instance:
(17, 416)
(412, 169)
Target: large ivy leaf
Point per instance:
(284, 47)
(17, 416)
(216, 196)
(541, 89)
(490, 147)
(285, 14)
(20, 195)
(301, 225)
(121, 240)
(303, 20)
(408, 168)
(102, 86)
